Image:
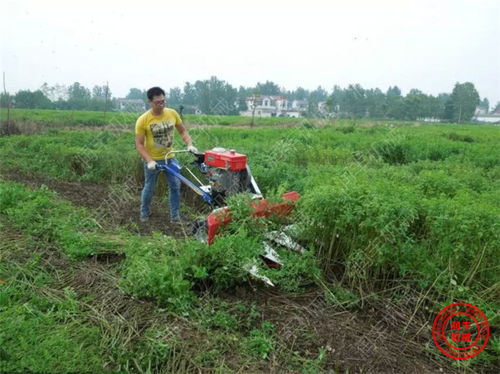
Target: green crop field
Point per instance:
(80, 118)
(40, 119)
(399, 220)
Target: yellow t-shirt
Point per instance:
(158, 131)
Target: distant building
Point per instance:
(488, 118)
(428, 119)
(187, 109)
(292, 114)
(273, 106)
(130, 105)
(299, 105)
(482, 115)
(480, 111)
(323, 107)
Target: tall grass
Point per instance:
(380, 203)
(381, 206)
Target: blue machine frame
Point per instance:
(175, 170)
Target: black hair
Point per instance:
(155, 91)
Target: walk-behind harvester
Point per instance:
(227, 173)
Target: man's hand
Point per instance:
(192, 149)
(152, 165)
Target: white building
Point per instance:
(480, 111)
(130, 105)
(299, 105)
(323, 107)
(482, 115)
(488, 118)
(271, 106)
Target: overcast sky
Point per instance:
(429, 45)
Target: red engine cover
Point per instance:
(228, 160)
(261, 208)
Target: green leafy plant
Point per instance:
(259, 342)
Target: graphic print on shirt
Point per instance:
(162, 134)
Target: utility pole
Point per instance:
(7, 97)
(254, 106)
(5, 127)
(106, 93)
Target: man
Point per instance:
(154, 132)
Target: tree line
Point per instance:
(217, 97)
(73, 97)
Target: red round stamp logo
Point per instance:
(461, 331)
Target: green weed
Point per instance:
(260, 342)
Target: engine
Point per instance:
(228, 173)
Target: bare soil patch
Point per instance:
(116, 206)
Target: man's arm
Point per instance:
(184, 134)
(139, 145)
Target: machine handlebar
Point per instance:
(172, 152)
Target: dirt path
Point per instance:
(116, 206)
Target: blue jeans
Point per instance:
(174, 186)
